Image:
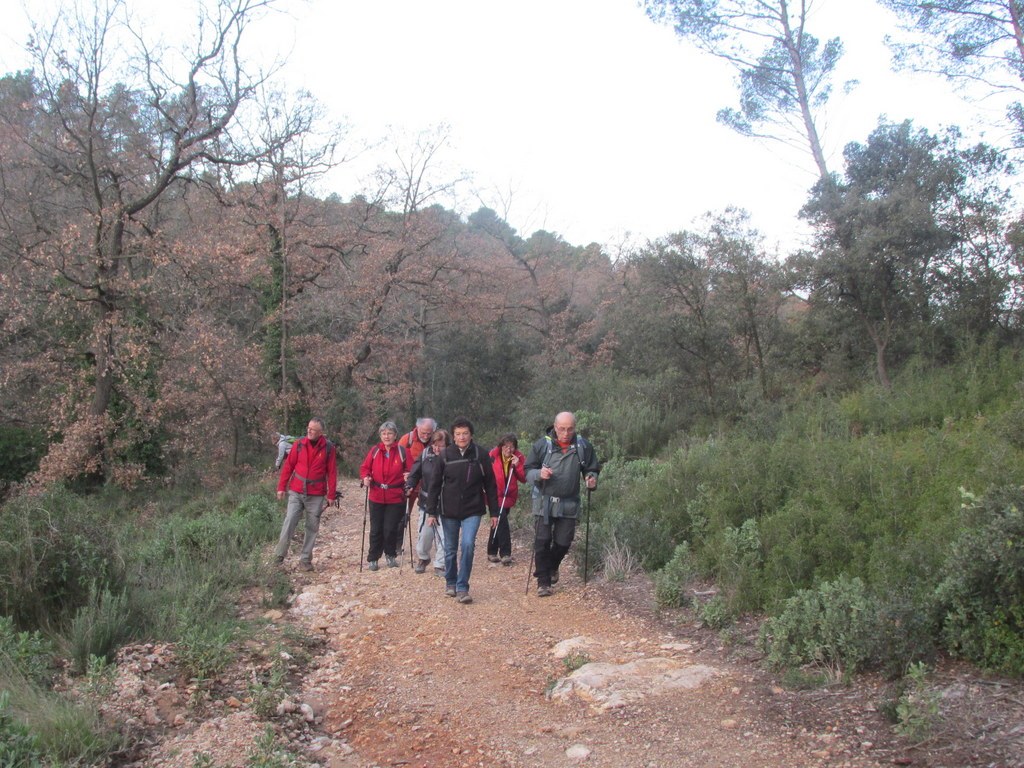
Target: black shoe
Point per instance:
(493, 559)
(506, 560)
(554, 576)
(544, 591)
(449, 591)
(392, 561)
(279, 560)
(421, 566)
(463, 597)
(304, 566)
(373, 565)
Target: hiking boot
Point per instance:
(543, 591)
(506, 560)
(554, 576)
(421, 566)
(304, 566)
(438, 571)
(373, 565)
(392, 561)
(449, 591)
(493, 559)
(279, 560)
(463, 597)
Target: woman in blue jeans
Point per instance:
(456, 498)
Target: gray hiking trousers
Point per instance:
(313, 507)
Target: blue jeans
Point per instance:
(458, 575)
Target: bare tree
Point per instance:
(123, 125)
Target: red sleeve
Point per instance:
(520, 471)
(366, 470)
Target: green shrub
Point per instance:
(575, 659)
(20, 451)
(27, 654)
(50, 729)
(736, 562)
(98, 629)
(672, 582)
(19, 747)
(206, 651)
(267, 753)
(833, 627)
(213, 534)
(917, 709)
(52, 550)
(982, 596)
(267, 693)
(716, 614)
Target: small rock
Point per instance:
(286, 706)
(307, 712)
(179, 720)
(729, 724)
(233, 702)
(577, 752)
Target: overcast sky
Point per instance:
(582, 115)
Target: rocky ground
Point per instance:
(380, 669)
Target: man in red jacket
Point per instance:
(309, 475)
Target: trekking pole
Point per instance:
(492, 538)
(586, 541)
(408, 525)
(529, 573)
(362, 541)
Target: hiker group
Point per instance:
(454, 482)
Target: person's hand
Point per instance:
(546, 473)
(591, 482)
(280, 495)
(431, 520)
(366, 482)
(515, 460)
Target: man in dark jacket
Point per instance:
(556, 464)
(460, 489)
(309, 475)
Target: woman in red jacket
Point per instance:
(509, 472)
(383, 473)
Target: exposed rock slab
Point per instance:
(609, 686)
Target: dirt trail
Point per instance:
(413, 678)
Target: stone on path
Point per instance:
(610, 686)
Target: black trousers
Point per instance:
(499, 540)
(385, 528)
(551, 542)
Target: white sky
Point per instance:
(591, 120)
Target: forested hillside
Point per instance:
(833, 436)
